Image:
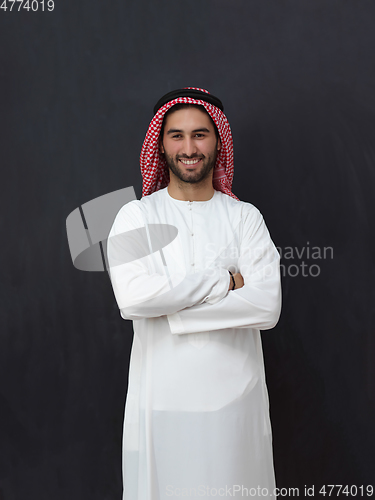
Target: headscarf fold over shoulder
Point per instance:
(154, 169)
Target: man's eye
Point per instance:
(199, 135)
(176, 136)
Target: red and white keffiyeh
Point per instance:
(154, 168)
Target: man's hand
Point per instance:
(238, 279)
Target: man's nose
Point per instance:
(189, 147)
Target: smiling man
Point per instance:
(203, 279)
(189, 141)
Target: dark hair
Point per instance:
(181, 105)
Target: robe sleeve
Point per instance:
(258, 303)
(142, 293)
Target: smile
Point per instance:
(195, 161)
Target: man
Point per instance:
(198, 292)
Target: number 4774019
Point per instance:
(28, 5)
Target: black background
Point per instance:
(77, 89)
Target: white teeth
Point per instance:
(189, 162)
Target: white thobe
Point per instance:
(196, 415)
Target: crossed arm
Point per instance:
(202, 301)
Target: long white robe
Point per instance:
(196, 416)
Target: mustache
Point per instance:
(192, 157)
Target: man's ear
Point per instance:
(161, 147)
(218, 144)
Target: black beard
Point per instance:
(193, 177)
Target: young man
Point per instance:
(197, 272)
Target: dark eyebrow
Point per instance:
(173, 131)
(176, 130)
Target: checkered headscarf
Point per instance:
(154, 168)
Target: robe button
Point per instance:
(192, 264)
(192, 234)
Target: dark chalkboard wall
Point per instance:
(77, 89)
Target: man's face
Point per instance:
(189, 144)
